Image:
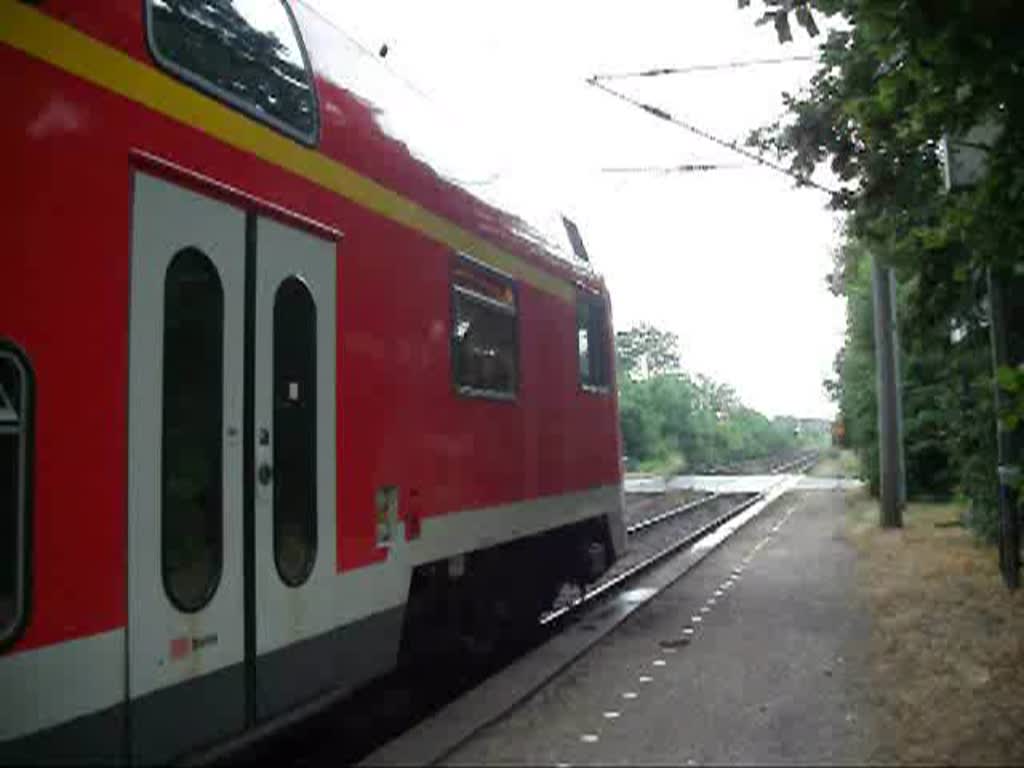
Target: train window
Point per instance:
(247, 52)
(193, 395)
(16, 412)
(294, 432)
(485, 338)
(592, 342)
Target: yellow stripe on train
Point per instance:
(56, 43)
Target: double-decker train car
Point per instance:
(285, 394)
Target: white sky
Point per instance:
(731, 260)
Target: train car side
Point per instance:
(159, 243)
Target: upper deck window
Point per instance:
(246, 52)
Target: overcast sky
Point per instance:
(732, 260)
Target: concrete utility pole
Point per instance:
(890, 436)
(901, 474)
(1007, 451)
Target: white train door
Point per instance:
(295, 540)
(186, 632)
(231, 507)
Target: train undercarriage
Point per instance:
(480, 602)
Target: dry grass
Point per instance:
(947, 648)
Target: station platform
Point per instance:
(756, 656)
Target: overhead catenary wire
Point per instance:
(661, 114)
(661, 71)
(682, 168)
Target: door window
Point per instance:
(294, 431)
(193, 391)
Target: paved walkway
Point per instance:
(770, 676)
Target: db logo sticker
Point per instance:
(180, 647)
(183, 646)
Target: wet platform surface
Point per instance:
(769, 675)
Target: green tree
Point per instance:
(894, 78)
(646, 351)
(669, 417)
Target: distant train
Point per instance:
(281, 398)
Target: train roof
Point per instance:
(378, 123)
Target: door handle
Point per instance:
(265, 474)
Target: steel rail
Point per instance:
(670, 513)
(812, 458)
(689, 540)
(606, 586)
(690, 506)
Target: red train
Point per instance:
(282, 397)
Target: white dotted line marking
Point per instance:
(689, 631)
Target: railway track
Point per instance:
(352, 729)
(670, 514)
(750, 466)
(689, 506)
(697, 529)
(572, 630)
